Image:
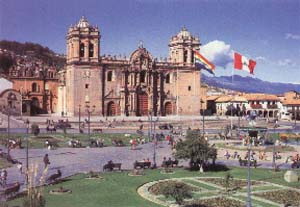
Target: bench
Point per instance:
(12, 189)
(245, 162)
(99, 130)
(112, 166)
(141, 165)
(170, 163)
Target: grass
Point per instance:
(62, 139)
(281, 148)
(117, 189)
(4, 163)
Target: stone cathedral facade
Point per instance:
(133, 86)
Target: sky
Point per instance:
(267, 31)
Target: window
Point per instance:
(81, 50)
(192, 56)
(109, 76)
(143, 76)
(185, 56)
(189, 88)
(34, 87)
(168, 78)
(91, 50)
(86, 86)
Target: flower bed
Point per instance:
(158, 188)
(220, 202)
(282, 196)
(233, 183)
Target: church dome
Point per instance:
(83, 22)
(184, 33)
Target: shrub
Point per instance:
(178, 191)
(35, 129)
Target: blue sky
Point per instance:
(267, 31)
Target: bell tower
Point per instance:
(181, 47)
(83, 43)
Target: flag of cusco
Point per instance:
(203, 63)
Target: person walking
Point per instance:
(20, 167)
(46, 160)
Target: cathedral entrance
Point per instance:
(111, 109)
(142, 105)
(35, 106)
(168, 108)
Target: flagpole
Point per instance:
(232, 74)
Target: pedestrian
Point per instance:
(46, 160)
(20, 167)
(3, 176)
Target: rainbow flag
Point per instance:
(202, 63)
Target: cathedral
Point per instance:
(134, 86)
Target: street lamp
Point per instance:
(27, 149)
(79, 114)
(89, 111)
(249, 179)
(203, 130)
(8, 128)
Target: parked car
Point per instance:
(165, 126)
(62, 124)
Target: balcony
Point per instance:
(272, 106)
(256, 106)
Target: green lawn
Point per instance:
(119, 190)
(282, 148)
(62, 139)
(4, 163)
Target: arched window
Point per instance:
(168, 78)
(109, 76)
(91, 50)
(34, 87)
(81, 50)
(185, 56)
(143, 76)
(192, 56)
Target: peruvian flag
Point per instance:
(243, 63)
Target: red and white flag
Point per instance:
(243, 63)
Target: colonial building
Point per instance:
(38, 86)
(113, 86)
(291, 106)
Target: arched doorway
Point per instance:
(142, 105)
(111, 109)
(168, 108)
(35, 106)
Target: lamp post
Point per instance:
(249, 178)
(27, 148)
(154, 144)
(79, 114)
(274, 158)
(8, 128)
(89, 111)
(203, 129)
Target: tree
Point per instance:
(178, 191)
(35, 129)
(196, 149)
(227, 179)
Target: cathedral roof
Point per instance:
(83, 22)
(184, 33)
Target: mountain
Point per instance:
(249, 84)
(11, 51)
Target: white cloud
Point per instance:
(260, 58)
(292, 36)
(218, 52)
(286, 62)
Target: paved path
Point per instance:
(79, 160)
